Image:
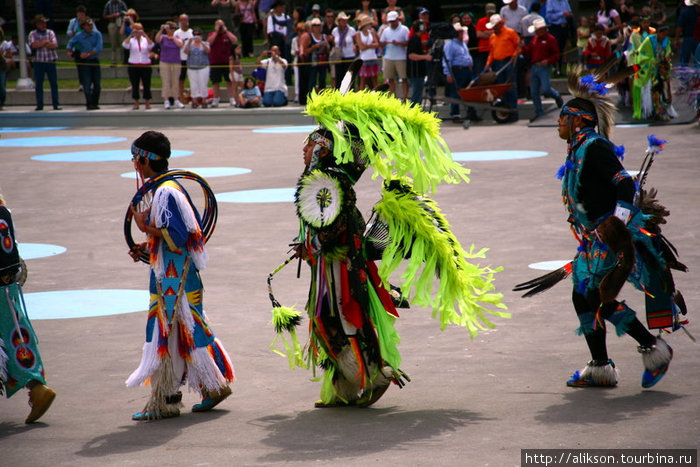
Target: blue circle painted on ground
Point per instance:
(58, 141)
(62, 304)
(113, 155)
(272, 195)
(206, 172)
(632, 125)
(548, 265)
(287, 129)
(16, 129)
(496, 155)
(38, 250)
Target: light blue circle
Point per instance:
(58, 141)
(287, 129)
(496, 155)
(113, 155)
(63, 304)
(272, 195)
(632, 125)
(206, 172)
(38, 250)
(549, 265)
(15, 129)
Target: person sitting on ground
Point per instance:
(250, 96)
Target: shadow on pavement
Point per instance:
(600, 406)
(349, 431)
(141, 436)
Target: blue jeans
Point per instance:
(462, 77)
(507, 76)
(317, 77)
(90, 77)
(48, 69)
(416, 83)
(274, 99)
(539, 83)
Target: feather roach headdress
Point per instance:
(591, 97)
(398, 139)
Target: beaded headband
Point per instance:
(138, 152)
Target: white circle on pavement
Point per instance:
(496, 155)
(271, 195)
(549, 265)
(38, 250)
(16, 129)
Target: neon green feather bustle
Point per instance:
(286, 319)
(400, 139)
(418, 229)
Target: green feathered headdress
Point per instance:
(400, 139)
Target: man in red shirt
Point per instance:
(221, 41)
(483, 34)
(543, 52)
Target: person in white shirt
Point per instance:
(139, 44)
(275, 93)
(185, 34)
(395, 39)
(343, 37)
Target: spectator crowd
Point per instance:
(521, 42)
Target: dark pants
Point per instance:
(303, 81)
(140, 74)
(90, 78)
(48, 69)
(560, 33)
(480, 62)
(247, 31)
(317, 76)
(462, 76)
(341, 69)
(3, 84)
(507, 76)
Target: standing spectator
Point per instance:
(367, 10)
(225, 9)
(235, 70)
(113, 12)
(221, 41)
(44, 43)
(657, 13)
(513, 15)
(246, 10)
(294, 51)
(598, 49)
(315, 12)
(264, 8)
(333, 53)
(626, 11)
(543, 52)
(139, 45)
(395, 39)
(391, 6)
(483, 34)
(130, 17)
(275, 93)
(344, 38)
(170, 65)
(467, 20)
(278, 25)
(185, 34)
(583, 33)
(85, 47)
(504, 50)
(303, 66)
(197, 52)
(457, 66)
(6, 64)
(418, 59)
(250, 95)
(424, 18)
(74, 28)
(315, 48)
(609, 17)
(367, 42)
(557, 15)
(684, 38)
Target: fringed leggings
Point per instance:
(592, 315)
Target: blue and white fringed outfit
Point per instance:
(179, 343)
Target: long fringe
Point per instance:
(3, 364)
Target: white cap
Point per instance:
(392, 16)
(493, 21)
(537, 24)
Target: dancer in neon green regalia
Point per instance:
(350, 307)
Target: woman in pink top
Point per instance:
(139, 44)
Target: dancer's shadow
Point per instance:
(601, 406)
(337, 433)
(141, 436)
(8, 429)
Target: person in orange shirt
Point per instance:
(505, 46)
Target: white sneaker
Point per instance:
(215, 102)
(179, 104)
(166, 104)
(233, 102)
